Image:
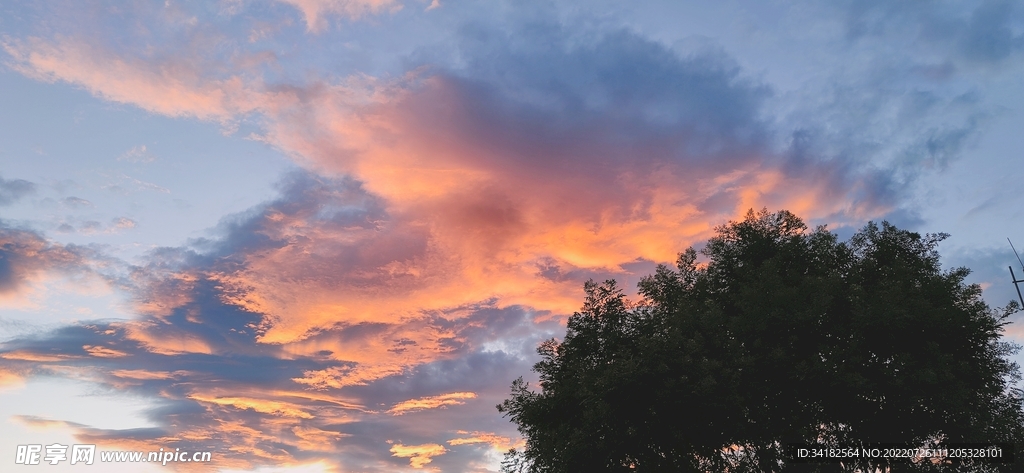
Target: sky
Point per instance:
(326, 235)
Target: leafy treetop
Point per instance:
(786, 335)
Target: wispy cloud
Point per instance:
(138, 154)
(315, 12)
(26, 256)
(431, 402)
(14, 189)
(498, 442)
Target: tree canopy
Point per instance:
(781, 335)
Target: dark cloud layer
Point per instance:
(975, 32)
(14, 189)
(535, 87)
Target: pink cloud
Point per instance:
(174, 89)
(28, 258)
(315, 11)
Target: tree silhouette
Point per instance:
(785, 335)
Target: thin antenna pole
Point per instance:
(1015, 284)
(1015, 254)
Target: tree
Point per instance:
(785, 335)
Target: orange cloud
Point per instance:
(335, 400)
(164, 290)
(264, 406)
(11, 378)
(103, 352)
(26, 355)
(470, 222)
(418, 455)
(336, 378)
(165, 339)
(148, 375)
(372, 351)
(431, 402)
(496, 442)
(316, 440)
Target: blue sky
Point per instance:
(325, 235)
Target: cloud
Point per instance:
(75, 202)
(138, 154)
(103, 352)
(241, 396)
(418, 455)
(10, 378)
(431, 402)
(314, 439)
(531, 156)
(126, 185)
(93, 227)
(227, 402)
(989, 36)
(122, 223)
(19, 355)
(247, 429)
(497, 442)
(315, 11)
(44, 423)
(25, 257)
(975, 32)
(274, 408)
(14, 189)
(173, 91)
(298, 400)
(520, 121)
(148, 375)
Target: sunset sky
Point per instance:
(326, 235)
